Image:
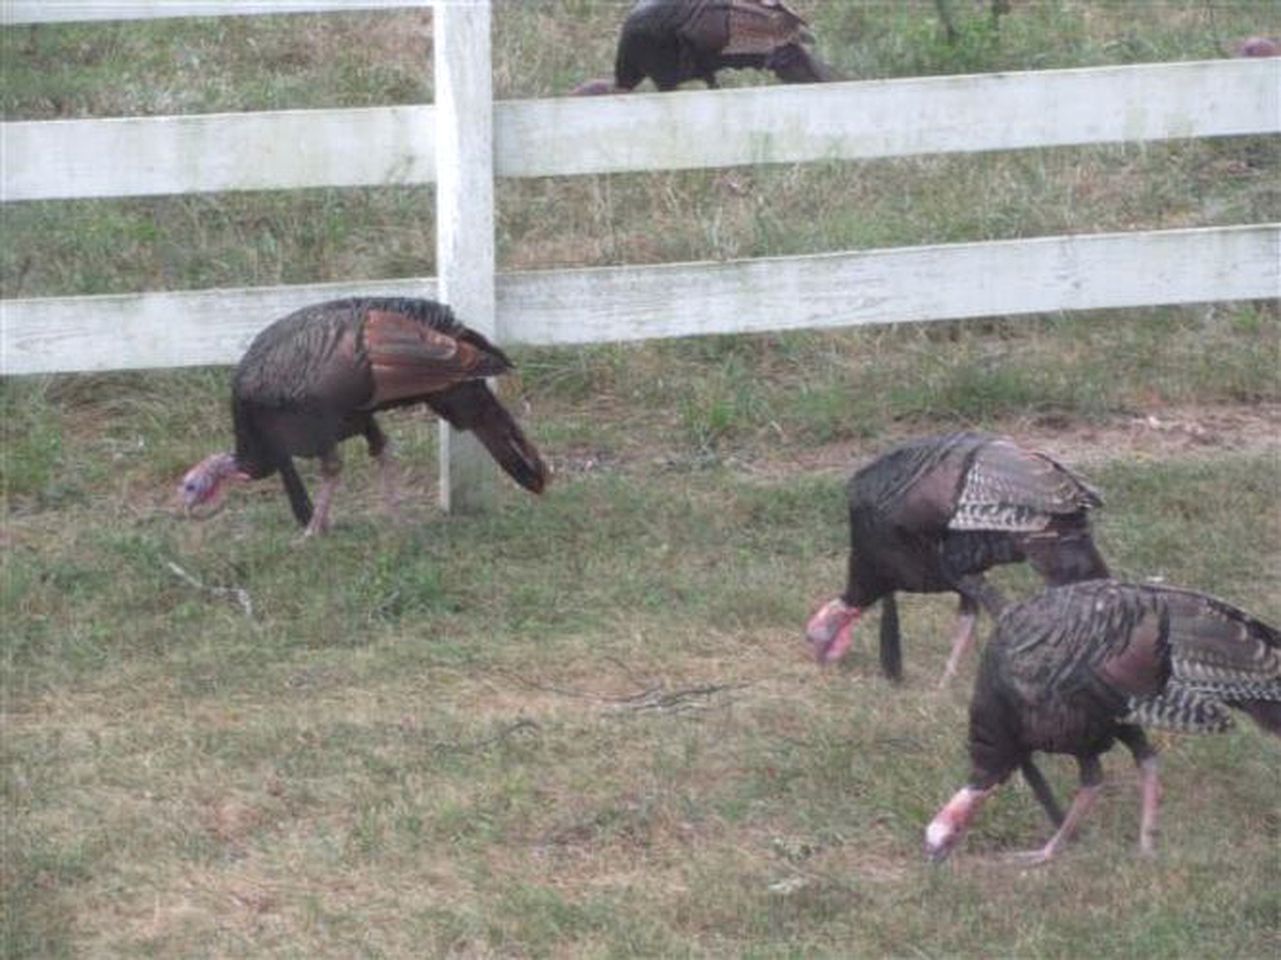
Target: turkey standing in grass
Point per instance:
(1259, 47)
(932, 515)
(316, 377)
(671, 41)
(1077, 667)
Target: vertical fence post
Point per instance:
(465, 215)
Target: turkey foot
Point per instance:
(320, 524)
(1081, 805)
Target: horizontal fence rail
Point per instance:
(71, 11)
(596, 305)
(887, 118)
(454, 142)
(567, 136)
(276, 150)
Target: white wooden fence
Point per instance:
(465, 140)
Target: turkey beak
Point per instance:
(949, 824)
(828, 631)
(940, 840)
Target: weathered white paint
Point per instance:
(1004, 277)
(465, 216)
(160, 329)
(63, 11)
(885, 118)
(146, 156)
(572, 135)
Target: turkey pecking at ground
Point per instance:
(671, 41)
(1077, 667)
(316, 377)
(932, 515)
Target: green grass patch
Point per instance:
(448, 721)
(584, 726)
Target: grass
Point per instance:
(584, 726)
(436, 734)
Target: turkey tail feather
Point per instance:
(1220, 657)
(891, 639)
(471, 406)
(514, 453)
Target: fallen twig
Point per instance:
(688, 698)
(655, 696)
(239, 594)
(468, 746)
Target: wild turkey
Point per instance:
(671, 41)
(932, 515)
(318, 376)
(1258, 47)
(1078, 667)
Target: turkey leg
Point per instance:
(1149, 784)
(962, 638)
(891, 640)
(1041, 790)
(330, 471)
(380, 450)
(1091, 783)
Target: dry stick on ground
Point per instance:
(654, 696)
(677, 700)
(240, 594)
(471, 746)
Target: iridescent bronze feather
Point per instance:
(316, 377)
(934, 514)
(1078, 667)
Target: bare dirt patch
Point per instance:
(1172, 432)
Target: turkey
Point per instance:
(1258, 47)
(671, 41)
(1077, 667)
(932, 515)
(318, 376)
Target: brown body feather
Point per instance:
(672, 41)
(318, 376)
(934, 514)
(1078, 667)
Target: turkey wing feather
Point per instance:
(409, 359)
(760, 28)
(1009, 488)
